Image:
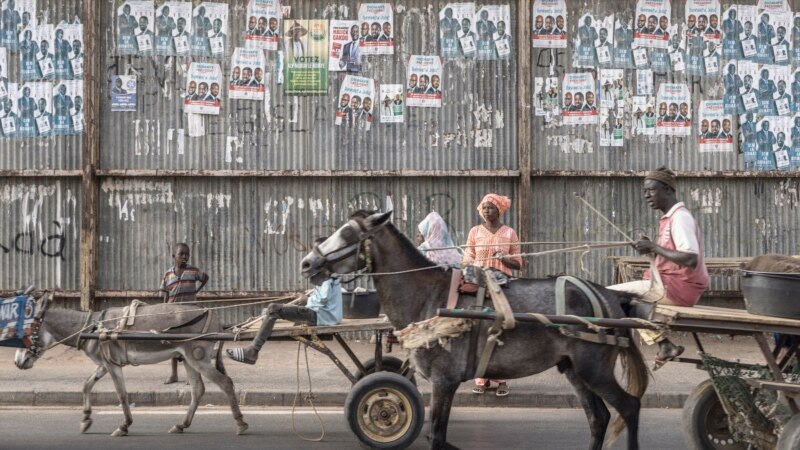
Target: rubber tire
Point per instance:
(369, 387)
(388, 364)
(703, 405)
(790, 438)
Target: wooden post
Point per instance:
(91, 154)
(524, 75)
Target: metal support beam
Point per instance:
(524, 138)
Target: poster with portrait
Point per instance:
(772, 38)
(173, 28)
(379, 18)
(674, 110)
(9, 114)
(747, 137)
(643, 115)
(356, 103)
(344, 53)
(3, 73)
(623, 44)
(68, 51)
(773, 98)
(677, 52)
(748, 93)
(456, 31)
(773, 5)
(306, 58)
(549, 24)
(593, 42)
(733, 83)
(612, 132)
(203, 89)
(795, 40)
(794, 153)
(16, 16)
(716, 131)
(68, 108)
(123, 93)
(732, 32)
(491, 28)
(702, 17)
(263, 24)
(644, 82)
(247, 79)
(661, 58)
(209, 29)
(392, 103)
(610, 93)
(135, 28)
(578, 105)
(424, 81)
(36, 54)
(652, 23)
(795, 90)
(773, 142)
(35, 109)
(546, 98)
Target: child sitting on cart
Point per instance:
(323, 307)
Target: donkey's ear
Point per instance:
(378, 219)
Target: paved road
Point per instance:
(213, 428)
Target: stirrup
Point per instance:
(237, 354)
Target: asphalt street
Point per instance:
(271, 428)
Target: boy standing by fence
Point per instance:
(179, 285)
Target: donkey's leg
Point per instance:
(122, 394)
(206, 368)
(88, 385)
(596, 411)
(441, 402)
(198, 389)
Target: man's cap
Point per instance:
(662, 174)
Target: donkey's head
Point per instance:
(38, 341)
(345, 251)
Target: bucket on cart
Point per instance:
(771, 293)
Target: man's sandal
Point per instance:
(237, 354)
(660, 360)
(502, 390)
(480, 388)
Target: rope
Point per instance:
(525, 243)
(310, 398)
(599, 214)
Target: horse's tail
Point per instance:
(636, 376)
(220, 365)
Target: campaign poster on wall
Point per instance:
(306, 60)
(593, 44)
(209, 29)
(773, 5)
(622, 54)
(747, 137)
(357, 103)
(344, 52)
(135, 28)
(772, 142)
(795, 89)
(716, 132)
(16, 16)
(643, 121)
(702, 17)
(68, 51)
(794, 153)
(379, 20)
(772, 38)
(263, 24)
(456, 30)
(610, 91)
(578, 101)
(661, 60)
(9, 113)
(733, 31)
(491, 27)
(203, 84)
(674, 110)
(173, 28)
(549, 24)
(247, 77)
(68, 108)
(773, 98)
(748, 93)
(36, 54)
(35, 109)
(424, 81)
(612, 132)
(652, 23)
(123, 93)
(392, 103)
(3, 73)
(546, 97)
(733, 83)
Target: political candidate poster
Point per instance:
(609, 92)
(9, 114)
(643, 115)
(732, 32)
(36, 56)
(68, 51)
(306, 60)
(772, 39)
(660, 58)
(248, 74)
(578, 99)
(590, 46)
(392, 103)
(612, 132)
(549, 24)
(732, 81)
(677, 52)
(702, 18)
(456, 31)
(795, 36)
(794, 153)
(16, 16)
(424, 81)
(357, 103)
(546, 97)
(795, 90)
(772, 139)
(773, 5)
(135, 28)
(344, 51)
(773, 98)
(716, 131)
(747, 137)
(35, 109)
(209, 29)
(173, 28)
(674, 110)
(68, 108)
(203, 87)
(3, 73)
(748, 92)
(491, 25)
(263, 24)
(123, 93)
(378, 18)
(652, 23)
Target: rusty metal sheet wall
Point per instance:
(566, 147)
(738, 217)
(55, 152)
(39, 233)
(298, 132)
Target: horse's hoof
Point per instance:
(242, 428)
(119, 432)
(176, 429)
(85, 425)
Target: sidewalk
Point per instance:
(57, 379)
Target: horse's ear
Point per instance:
(43, 304)
(378, 219)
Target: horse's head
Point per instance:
(346, 250)
(38, 341)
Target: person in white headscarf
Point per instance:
(433, 230)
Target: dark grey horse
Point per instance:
(369, 241)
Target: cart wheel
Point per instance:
(705, 424)
(385, 411)
(790, 437)
(388, 364)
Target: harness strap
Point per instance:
(207, 325)
(85, 325)
(455, 280)
(561, 299)
(191, 322)
(477, 326)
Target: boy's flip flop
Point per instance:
(237, 354)
(502, 390)
(661, 360)
(480, 388)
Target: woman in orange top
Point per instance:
(494, 245)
